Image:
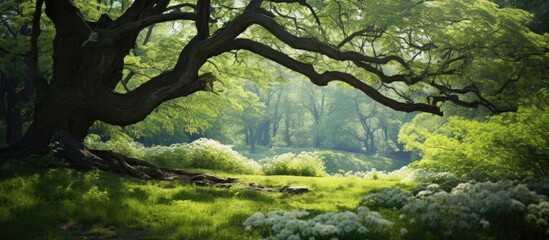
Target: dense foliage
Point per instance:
(514, 144)
(263, 103)
(200, 154)
(210, 154)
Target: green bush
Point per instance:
(502, 210)
(303, 164)
(118, 142)
(362, 224)
(514, 144)
(203, 153)
(386, 198)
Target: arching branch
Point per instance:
(323, 79)
(371, 29)
(177, 8)
(314, 45)
(138, 25)
(141, 9)
(302, 3)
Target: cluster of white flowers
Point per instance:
(472, 206)
(423, 190)
(203, 153)
(333, 225)
(404, 174)
(386, 198)
(538, 216)
(407, 175)
(539, 185)
(433, 176)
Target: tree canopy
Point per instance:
(118, 61)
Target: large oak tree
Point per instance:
(409, 55)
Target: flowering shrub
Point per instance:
(403, 174)
(119, 142)
(424, 189)
(303, 164)
(386, 198)
(538, 217)
(364, 224)
(473, 207)
(538, 185)
(203, 153)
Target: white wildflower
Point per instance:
(484, 223)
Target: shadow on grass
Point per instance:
(63, 203)
(205, 194)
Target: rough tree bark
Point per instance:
(12, 109)
(88, 60)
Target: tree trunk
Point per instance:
(12, 108)
(277, 115)
(287, 136)
(266, 134)
(251, 138)
(62, 112)
(66, 130)
(317, 137)
(14, 125)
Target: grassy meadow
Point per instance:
(59, 203)
(40, 198)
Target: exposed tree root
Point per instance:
(76, 154)
(284, 189)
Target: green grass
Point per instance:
(346, 161)
(67, 204)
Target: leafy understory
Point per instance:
(211, 154)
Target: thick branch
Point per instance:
(326, 77)
(203, 17)
(38, 82)
(178, 7)
(360, 33)
(182, 80)
(302, 3)
(65, 15)
(33, 53)
(141, 9)
(451, 95)
(314, 45)
(134, 106)
(134, 27)
(71, 32)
